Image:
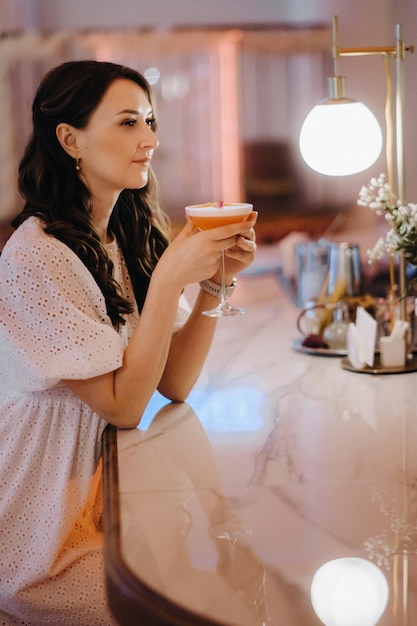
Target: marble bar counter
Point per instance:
(224, 510)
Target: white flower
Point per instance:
(402, 218)
(377, 252)
(391, 241)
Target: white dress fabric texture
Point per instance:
(53, 326)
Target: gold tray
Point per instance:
(410, 366)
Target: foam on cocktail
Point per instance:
(212, 209)
(213, 214)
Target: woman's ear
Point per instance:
(67, 137)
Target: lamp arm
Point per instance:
(351, 52)
(398, 50)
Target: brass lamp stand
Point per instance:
(394, 150)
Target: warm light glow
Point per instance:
(340, 137)
(349, 592)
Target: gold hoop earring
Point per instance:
(77, 164)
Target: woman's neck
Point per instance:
(100, 215)
(101, 222)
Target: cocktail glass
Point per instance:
(211, 215)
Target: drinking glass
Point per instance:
(211, 215)
(312, 269)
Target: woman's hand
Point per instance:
(194, 254)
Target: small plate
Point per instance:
(297, 345)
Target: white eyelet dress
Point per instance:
(53, 326)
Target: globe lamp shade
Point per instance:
(340, 137)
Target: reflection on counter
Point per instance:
(177, 560)
(349, 591)
(308, 462)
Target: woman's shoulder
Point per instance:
(36, 252)
(32, 256)
(30, 232)
(30, 240)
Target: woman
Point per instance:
(92, 321)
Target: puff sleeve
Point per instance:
(53, 320)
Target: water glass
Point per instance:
(311, 270)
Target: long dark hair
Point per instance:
(53, 191)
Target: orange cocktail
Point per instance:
(213, 214)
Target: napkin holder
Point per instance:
(361, 343)
(393, 349)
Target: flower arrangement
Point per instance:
(402, 219)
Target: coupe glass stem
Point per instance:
(223, 300)
(223, 309)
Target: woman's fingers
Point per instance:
(247, 245)
(246, 242)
